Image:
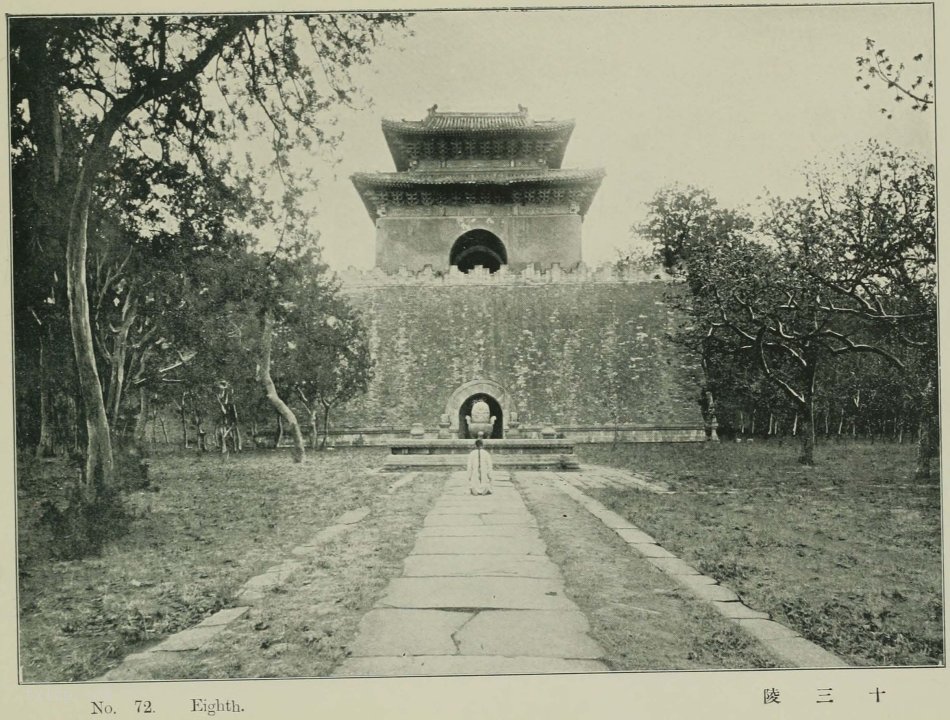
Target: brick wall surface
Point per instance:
(414, 242)
(596, 354)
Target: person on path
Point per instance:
(479, 470)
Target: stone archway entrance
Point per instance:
(460, 402)
(478, 247)
(465, 410)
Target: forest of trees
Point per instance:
(818, 318)
(159, 277)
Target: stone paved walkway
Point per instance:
(478, 596)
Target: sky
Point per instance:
(734, 100)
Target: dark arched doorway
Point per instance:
(478, 247)
(465, 410)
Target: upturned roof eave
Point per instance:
(394, 130)
(419, 127)
(365, 182)
(494, 177)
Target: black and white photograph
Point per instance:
(513, 347)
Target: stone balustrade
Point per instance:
(354, 278)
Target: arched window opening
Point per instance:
(478, 247)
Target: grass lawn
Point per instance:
(640, 617)
(207, 525)
(847, 552)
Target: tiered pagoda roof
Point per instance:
(462, 135)
(483, 187)
(476, 158)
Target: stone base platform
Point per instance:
(506, 454)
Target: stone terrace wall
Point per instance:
(355, 279)
(585, 349)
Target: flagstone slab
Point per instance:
(612, 519)
(286, 569)
(250, 597)
(329, 533)
(264, 581)
(711, 591)
(352, 517)
(408, 632)
(738, 611)
(476, 508)
(223, 617)
(673, 566)
(652, 550)
(523, 519)
(694, 581)
(190, 639)
(476, 592)
(632, 535)
(531, 633)
(447, 519)
(404, 479)
(478, 531)
(464, 665)
(478, 546)
(766, 630)
(464, 496)
(531, 566)
(798, 652)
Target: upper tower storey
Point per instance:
(477, 189)
(475, 140)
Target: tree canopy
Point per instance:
(846, 269)
(129, 187)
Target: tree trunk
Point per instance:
(202, 443)
(924, 450)
(118, 360)
(161, 421)
(808, 437)
(79, 439)
(264, 377)
(99, 470)
(326, 424)
(279, 437)
(237, 442)
(228, 424)
(312, 414)
(927, 438)
(184, 422)
(142, 418)
(808, 418)
(44, 447)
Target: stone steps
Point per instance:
(513, 461)
(507, 454)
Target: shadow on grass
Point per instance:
(847, 552)
(204, 526)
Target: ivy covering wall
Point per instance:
(569, 354)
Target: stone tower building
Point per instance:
(476, 189)
(479, 293)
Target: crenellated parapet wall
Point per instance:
(608, 273)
